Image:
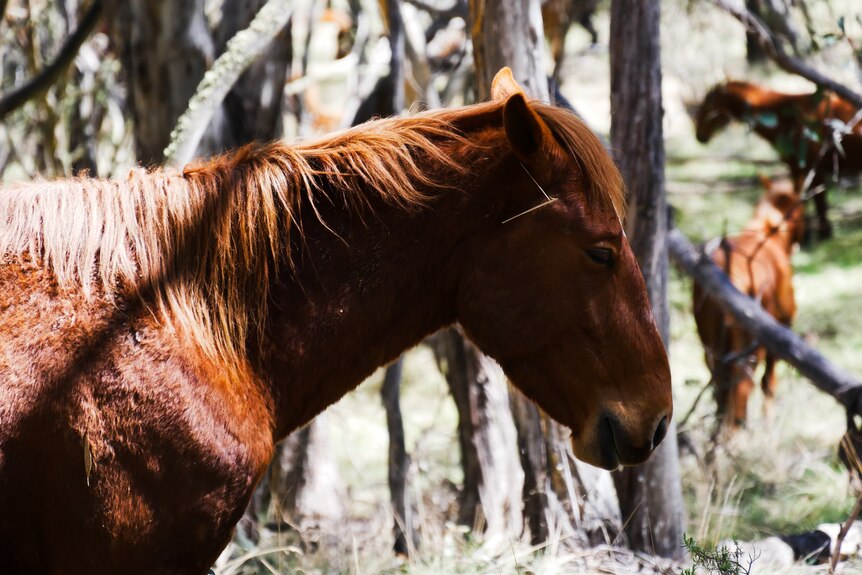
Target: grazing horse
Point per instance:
(161, 332)
(757, 261)
(797, 125)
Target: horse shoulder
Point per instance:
(107, 415)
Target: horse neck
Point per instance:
(366, 286)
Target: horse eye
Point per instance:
(601, 256)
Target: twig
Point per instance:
(41, 82)
(772, 46)
(836, 553)
(684, 420)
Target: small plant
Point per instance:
(716, 560)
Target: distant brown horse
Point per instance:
(797, 125)
(757, 261)
(159, 333)
(557, 17)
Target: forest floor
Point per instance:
(779, 475)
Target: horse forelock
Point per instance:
(603, 182)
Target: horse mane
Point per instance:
(205, 243)
(603, 183)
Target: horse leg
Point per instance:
(824, 226)
(768, 384)
(739, 393)
(586, 22)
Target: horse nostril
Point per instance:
(660, 432)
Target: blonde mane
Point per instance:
(204, 244)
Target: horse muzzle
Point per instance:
(619, 445)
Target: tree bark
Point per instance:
(509, 34)
(255, 103)
(650, 495)
(399, 461)
(202, 112)
(165, 48)
(491, 498)
(754, 53)
(304, 482)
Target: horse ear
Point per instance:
(504, 85)
(526, 131)
(765, 182)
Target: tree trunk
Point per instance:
(399, 461)
(754, 53)
(165, 48)
(650, 495)
(510, 34)
(254, 105)
(491, 497)
(84, 111)
(304, 483)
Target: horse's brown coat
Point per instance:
(170, 327)
(759, 265)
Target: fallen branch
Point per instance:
(41, 82)
(782, 342)
(775, 49)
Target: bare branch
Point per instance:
(40, 83)
(845, 528)
(775, 49)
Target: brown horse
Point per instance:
(797, 125)
(161, 332)
(757, 261)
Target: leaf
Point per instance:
(803, 152)
(811, 134)
(766, 119)
(841, 25)
(784, 146)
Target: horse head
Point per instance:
(555, 294)
(781, 211)
(712, 115)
